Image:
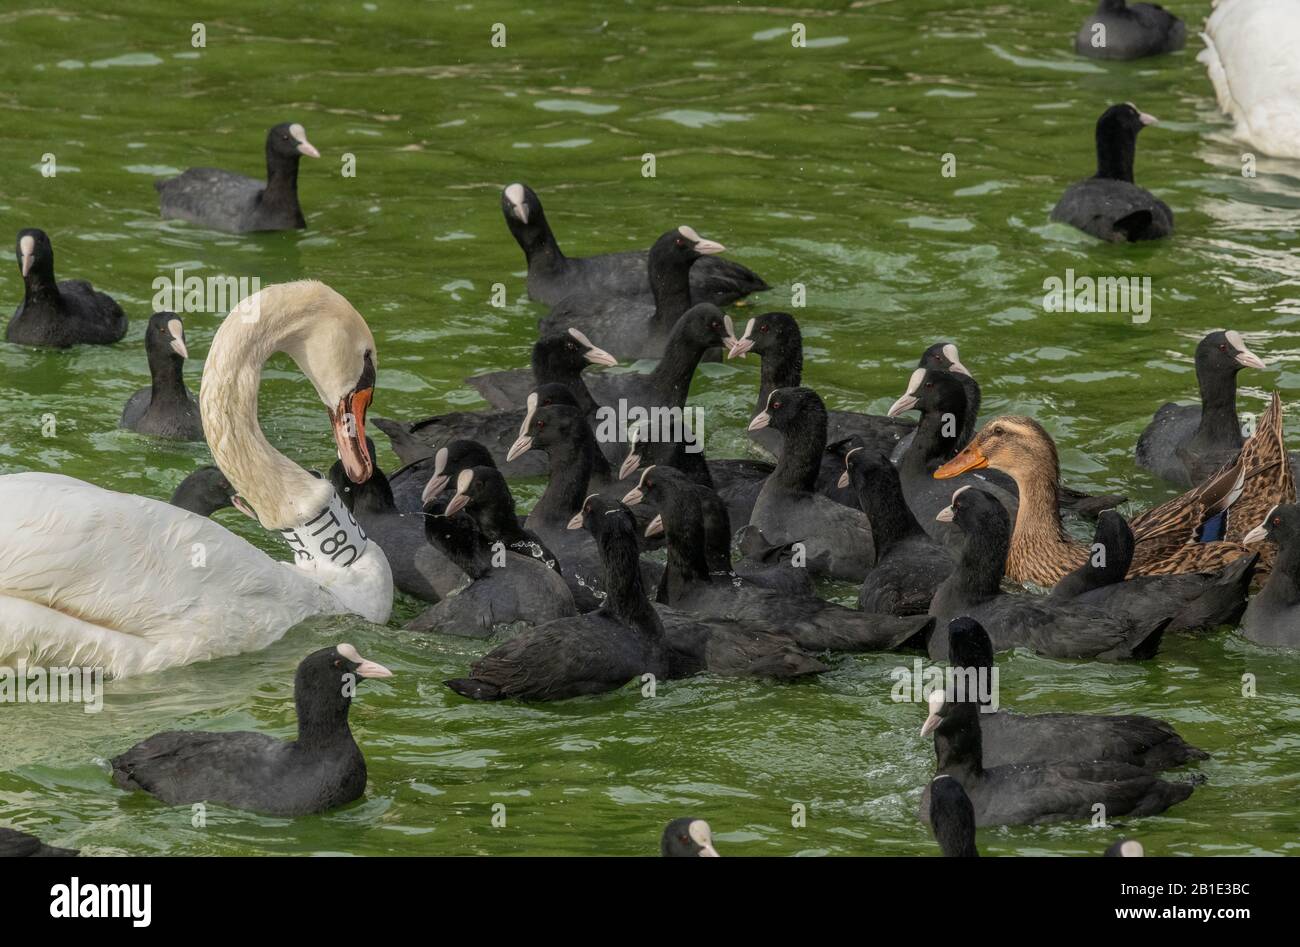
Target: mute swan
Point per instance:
(1250, 52)
(91, 577)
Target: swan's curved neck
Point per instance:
(281, 493)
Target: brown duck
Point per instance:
(1168, 536)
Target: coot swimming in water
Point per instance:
(59, 313)
(166, 408)
(1119, 30)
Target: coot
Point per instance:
(166, 408)
(59, 313)
(1119, 30)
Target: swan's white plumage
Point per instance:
(90, 577)
(1252, 53)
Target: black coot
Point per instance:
(810, 622)
(59, 313)
(1109, 205)
(418, 568)
(952, 818)
(1030, 793)
(687, 838)
(504, 587)
(1273, 616)
(223, 200)
(1010, 738)
(15, 844)
(322, 769)
(1186, 444)
(1062, 630)
(204, 492)
(166, 408)
(835, 539)
(909, 564)
(1119, 30)
(552, 275)
(1199, 601)
(592, 653)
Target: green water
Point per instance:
(819, 165)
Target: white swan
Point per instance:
(1252, 51)
(94, 578)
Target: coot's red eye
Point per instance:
(1277, 521)
(1223, 347)
(762, 328)
(929, 384)
(338, 662)
(681, 242)
(776, 406)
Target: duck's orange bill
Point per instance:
(968, 459)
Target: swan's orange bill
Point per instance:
(349, 423)
(969, 459)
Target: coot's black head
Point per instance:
(969, 645)
(449, 460)
(1126, 848)
(563, 355)
(481, 488)
(943, 357)
(1222, 354)
(553, 417)
(1281, 525)
(952, 818)
(204, 492)
(287, 142)
(1112, 546)
(523, 212)
(34, 253)
(688, 838)
(608, 520)
(979, 515)
(344, 487)
(323, 689)
(787, 408)
(681, 514)
(770, 332)
(866, 469)
(701, 327)
(164, 340)
(680, 247)
(932, 390)
(659, 484)
(1117, 132)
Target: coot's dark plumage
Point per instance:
(204, 492)
(836, 540)
(1273, 616)
(1199, 601)
(59, 313)
(1119, 30)
(223, 200)
(322, 769)
(1010, 738)
(552, 275)
(592, 653)
(1109, 205)
(15, 844)
(812, 623)
(952, 817)
(1030, 793)
(419, 569)
(909, 563)
(637, 326)
(166, 408)
(1185, 444)
(687, 838)
(503, 588)
(1064, 630)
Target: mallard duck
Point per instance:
(1191, 533)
